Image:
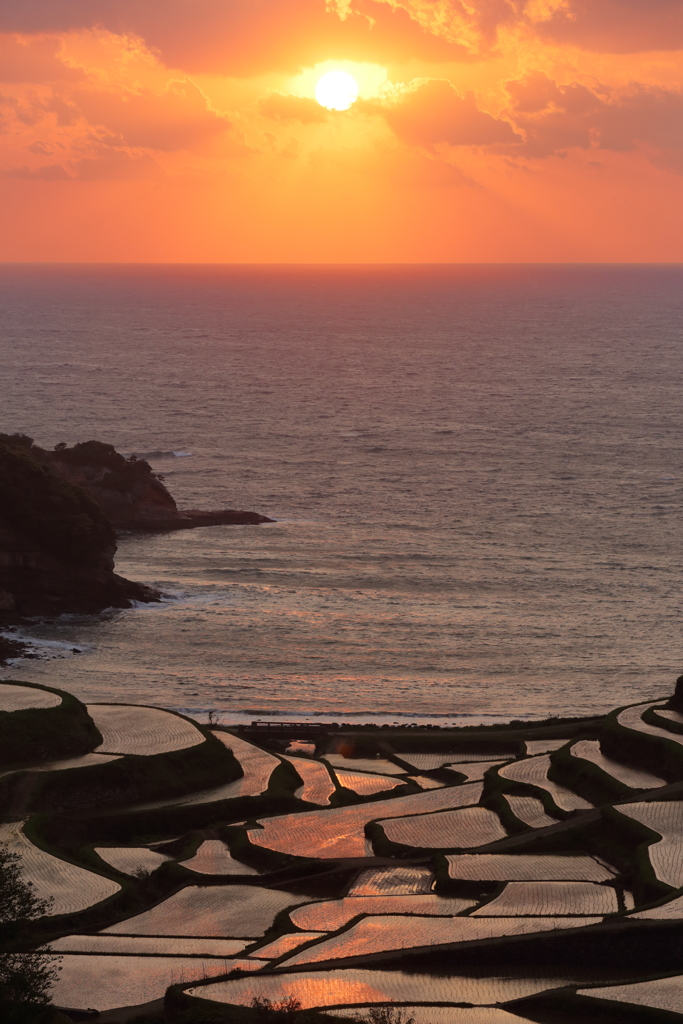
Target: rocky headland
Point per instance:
(129, 494)
(59, 513)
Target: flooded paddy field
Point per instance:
(497, 885)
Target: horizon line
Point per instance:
(263, 263)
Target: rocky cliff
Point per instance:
(129, 494)
(56, 546)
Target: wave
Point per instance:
(158, 453)
(43, 650)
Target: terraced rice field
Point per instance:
(666, 818)
(376, 765)
(70, 887)
(443, 1015)
(239, 911)
(424, 782)
(129, 859)
(379, 934)
(673, 716)
(365, 784)
(673, 910)
(348, 987)
(663, 994)
(284, 944)
(85, 761)
(16, 698)
(330, 915)
(530, 810)
(318, 786)
(631, 718)
(429, 762)
(143, 945)
(228, 791)
(406, 881)
(551, 899)
(474, 770)
(501, 867)
(258, 765)
(462, 828)
(339, 831)
(636, 778)
(102, 982)
(534, 747)
(301, 747)
(214, 858)
(129, 729)
(534, 771)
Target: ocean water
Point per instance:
(476, 473)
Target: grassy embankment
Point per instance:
(655, 754)
(33, 735)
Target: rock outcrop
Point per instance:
(56, 547)
(129, 494)
(59, 511)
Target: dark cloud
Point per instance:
(41, 148)
(434, 112)
(235, 37)
(239, 37)
(616, 26)
(292, 108)
(556, 118)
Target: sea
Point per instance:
(475, 472)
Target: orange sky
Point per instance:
(486, 130)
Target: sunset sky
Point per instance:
(485, 130)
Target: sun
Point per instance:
(336, 90)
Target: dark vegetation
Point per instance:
(566, 1007)
(41, 734)
(118, 472)
(181, 1009)
(655, 754)
(26, 979)
(60, 518)
(134, 779)
(587, 779)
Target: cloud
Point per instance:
(432, 111)
(473, 26)
(556, 118)
(33, 60)
(614, 26)
(41, 148)
(245, 37)
(51, 172)
(292, 108)
(239, 38)
(176, 119)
